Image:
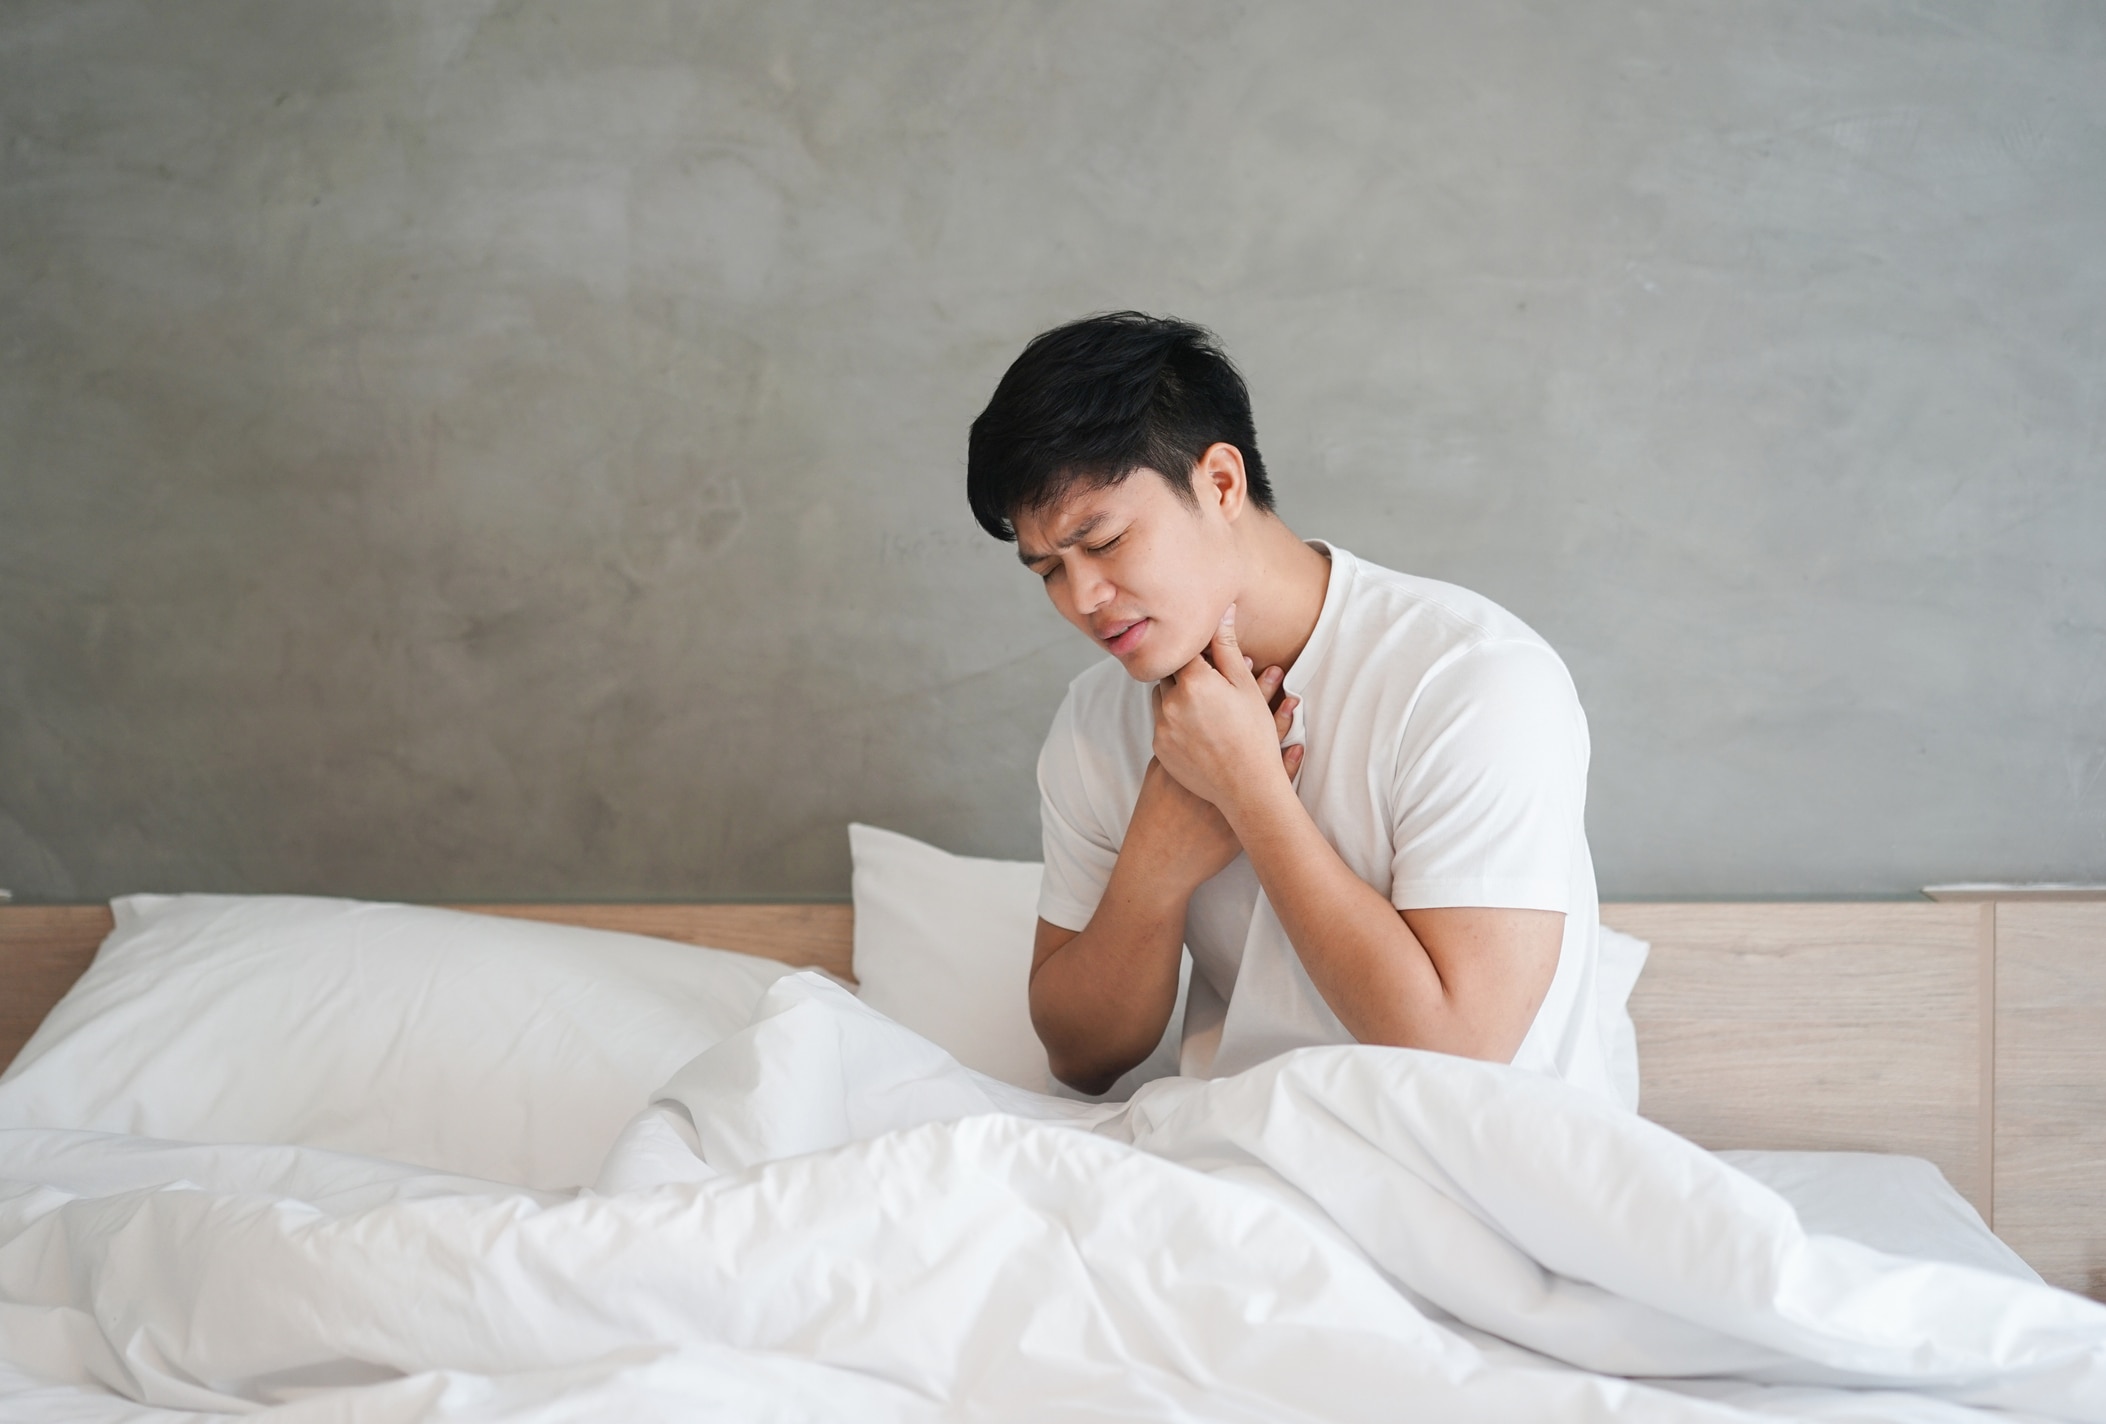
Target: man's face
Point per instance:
(1143, 574)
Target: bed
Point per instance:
(1971, 1035)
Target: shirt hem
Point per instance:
(1482, 894)
(1063, 911)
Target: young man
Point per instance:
(1355, 795)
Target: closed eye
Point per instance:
(1053, 566)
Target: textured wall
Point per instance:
(516, 450)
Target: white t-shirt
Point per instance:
(1446, 763)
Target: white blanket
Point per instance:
(824, 1217)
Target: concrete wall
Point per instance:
(516, 450)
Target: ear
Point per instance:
(1219, 479)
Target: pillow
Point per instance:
(1620, 959)
(505, 1049)
(943, 947)
(1900, 1205)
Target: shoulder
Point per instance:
(1413, 631)
(1441, 655)
(1516, 683)
(1440, 619)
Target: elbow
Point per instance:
(1082, 1055)
(1091, 1066)
(1487, 1043)
(1091, 1076)
(1458, 1038)
(1490, 1043)
(1494, 1051)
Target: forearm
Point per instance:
(1361, 955)
(1101, 1000)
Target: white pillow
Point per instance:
(943, 946)
(1900, 1205)
(1620, 959)
(505, 1049)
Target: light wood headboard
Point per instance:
(1970, 1034)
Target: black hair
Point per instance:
(1091, 402)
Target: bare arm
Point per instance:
(1463, 981)
(1101, 996)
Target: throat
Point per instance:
(1279, 606)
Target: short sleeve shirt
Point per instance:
(1446, 762)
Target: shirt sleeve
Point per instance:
(1490, 794)
(1079, 851)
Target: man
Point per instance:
(1355, 795)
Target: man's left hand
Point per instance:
(1215, 730)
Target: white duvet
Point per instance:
(826, 1218)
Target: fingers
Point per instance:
(1226, 654)
(1291, 759)
(1160, 692)
(1283, 716)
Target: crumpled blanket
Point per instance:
(825, 1217)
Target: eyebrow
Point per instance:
(1076, 535)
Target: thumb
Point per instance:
(1226, 654)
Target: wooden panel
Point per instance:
(1831, 1027)
(2051, 1089)
(2003, 894)
(45, 948)
(819, 935)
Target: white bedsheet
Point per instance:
(827, 1218)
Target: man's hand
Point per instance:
(1216, 732)
(1195, 840)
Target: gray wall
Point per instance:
(456, 450)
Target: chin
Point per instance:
(1158, 667)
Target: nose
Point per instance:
(1088, 588)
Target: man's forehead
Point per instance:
(1046, 531)
(1074, 517)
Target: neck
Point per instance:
(1282, 591)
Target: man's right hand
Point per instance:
(1184, 837)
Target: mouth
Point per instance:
(1123, 638)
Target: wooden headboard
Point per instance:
(1970, 1034)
